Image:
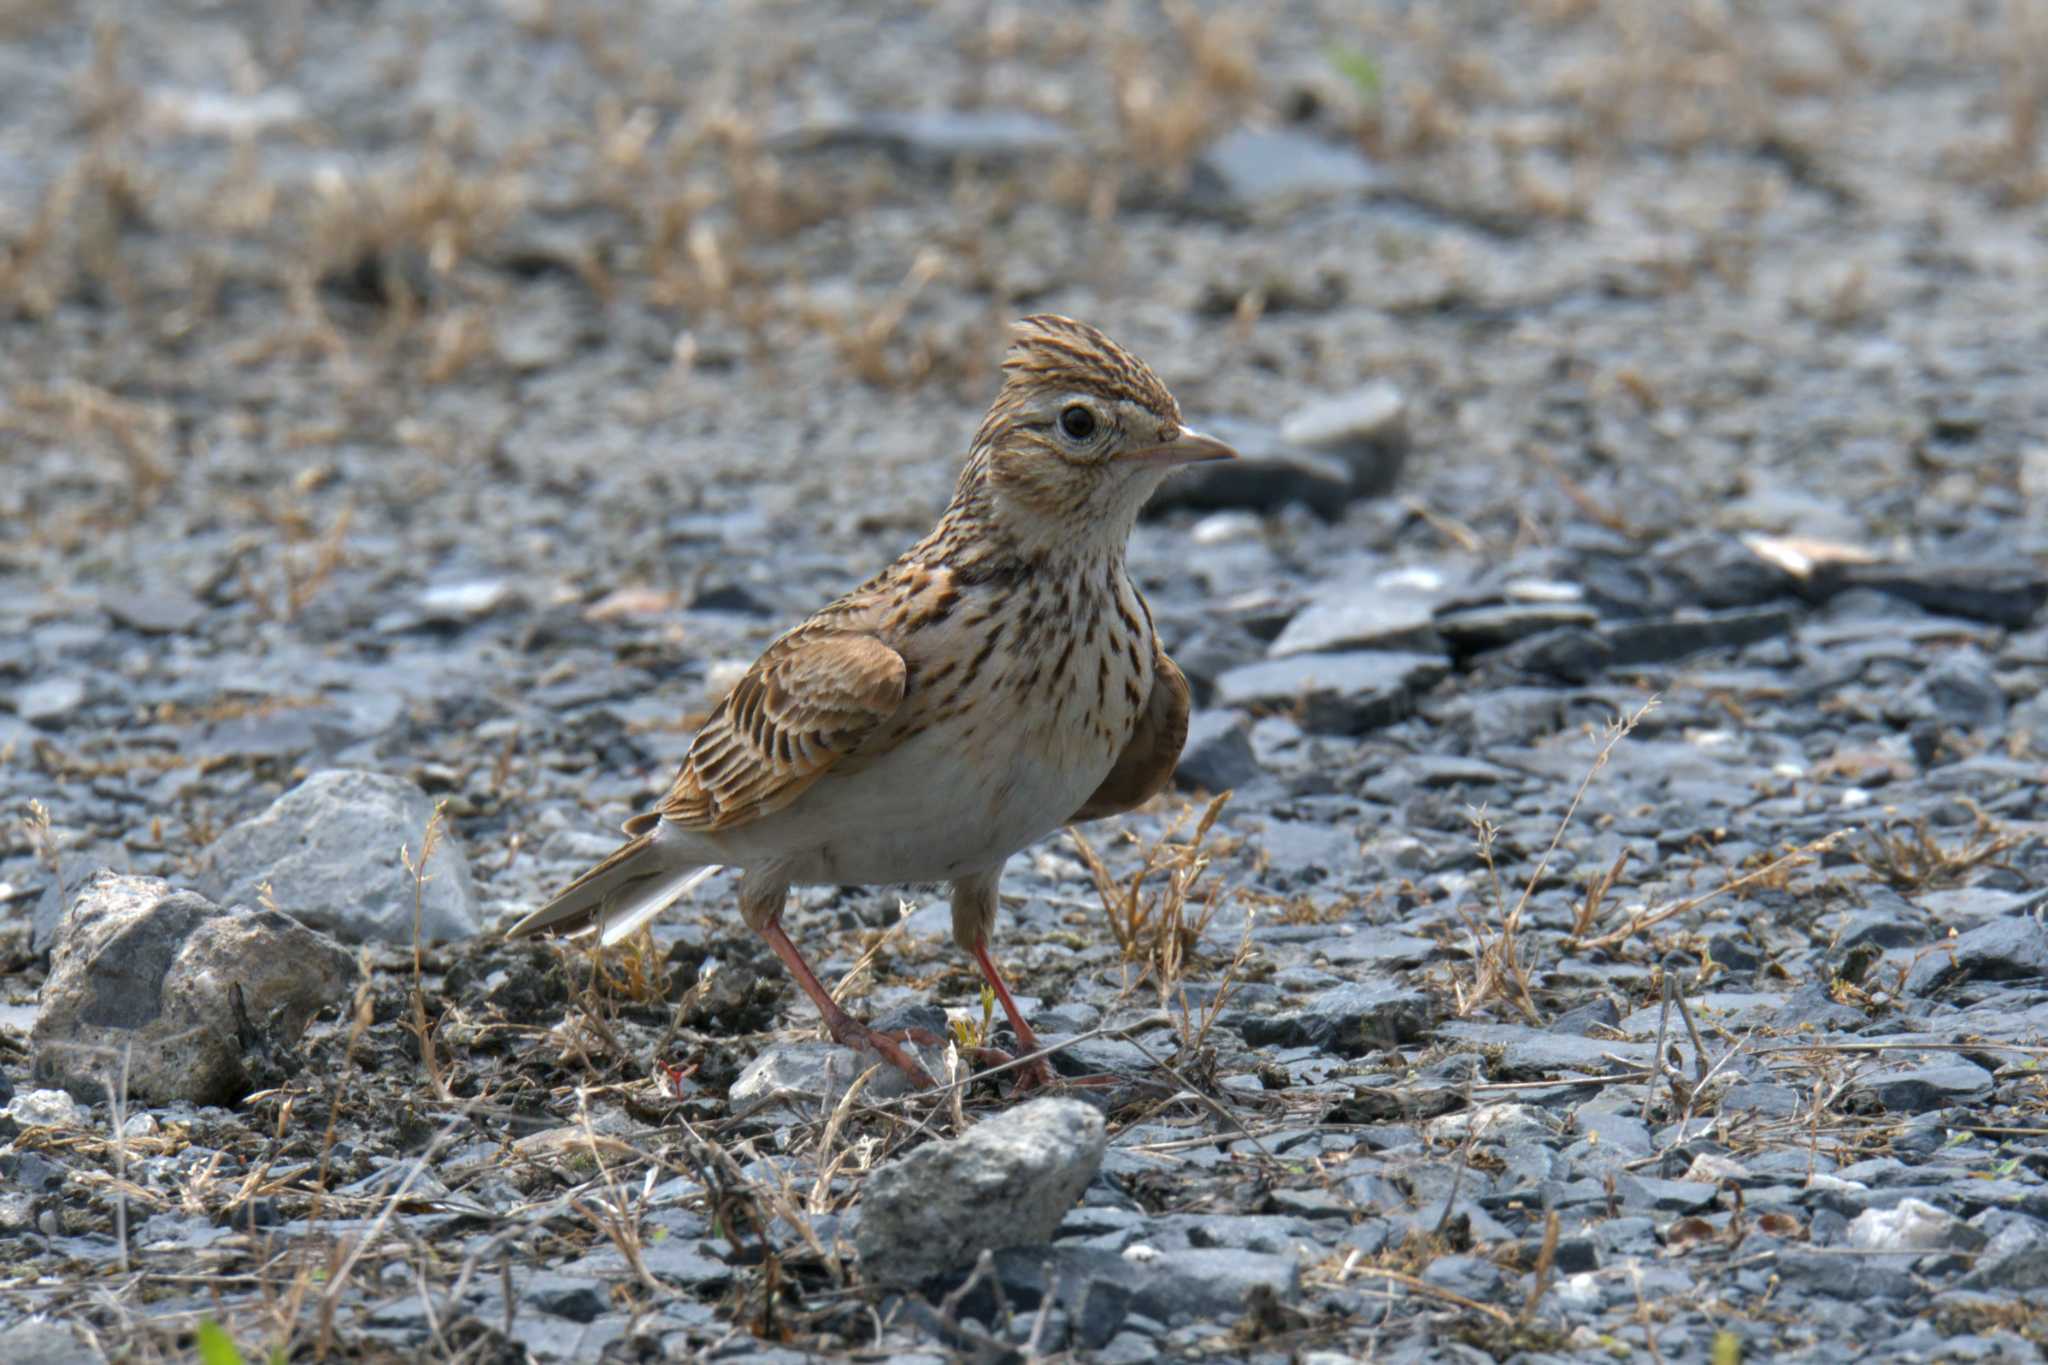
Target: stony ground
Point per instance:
(1625, 933)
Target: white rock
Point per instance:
(1912, 1225)
(1494, 1123)
(46, 1109)
(812, 1077)
(466, 600)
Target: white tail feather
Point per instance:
(630, 915)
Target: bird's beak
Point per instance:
(1190, 447)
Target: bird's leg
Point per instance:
(1032, 1074)
(974, 915)
(846, 1030)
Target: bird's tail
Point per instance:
(625, 891)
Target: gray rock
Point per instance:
(1473, 629)
(1716, 570)
(1006, 1182)
(46, 1109)
(1105, 1289)
(1473, 1277)
(1380, 615)
(1350, 1019)
(2014, 949)
(1258, 168)
(1638, 1192)
(465, 599)
(1619, 1132)
(1337, 693)
(1811, 1008)
(329, 849)
(2004, 594)
(41, 1341)
(1575, 654)
(937, 138)
(1927, 1087)
(47, 701)
(1215, 649)
(1366, 428)
(1268, 473)
(563, 1296)
(1959, 691)
(1218, 753)
(1600, 1012)
(809, 1077)
(154, 613)
(153, 971)
(1677, 637)
(2015, 1256)
(1864, 1278)
(1774, 1101)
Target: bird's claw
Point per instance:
(874, 1042)
(1036, 1074)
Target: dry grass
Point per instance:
(1173, 97)
(416, 869)
(1644, 918)
(1158, 912)
(39, 832)
(1499, 973)
(1909, 857)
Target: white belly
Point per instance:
(924, 812)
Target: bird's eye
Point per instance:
(1078, 423)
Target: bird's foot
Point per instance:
(850, 1032)
(1035, 1074)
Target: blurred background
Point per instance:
(429, 254)
(458, 393)
(332, 329)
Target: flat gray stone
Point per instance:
(811, 1077)
(937, 138)
(1218, 753)
(329, 850)
(155, 613)
(1268, 473)
(1254, 168)
(1346, 693)
(41, 1341)
(1351, 1019)
(1378, 615)
(1917, 1089)
(47, 700)
(1473, 629)
(1366, 428)
(2014, 949)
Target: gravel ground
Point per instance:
(1625, 930)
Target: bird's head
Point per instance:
(1080, 435)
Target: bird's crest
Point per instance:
(1049, 350)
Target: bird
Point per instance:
(1001, 679)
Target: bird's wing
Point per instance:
(816, 696)
(1145, 766)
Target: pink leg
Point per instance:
(1032, 1074)
(846, 1030)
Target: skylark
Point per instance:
(999, 680)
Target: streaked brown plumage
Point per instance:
(1000, 679)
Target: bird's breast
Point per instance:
(1015, 711)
